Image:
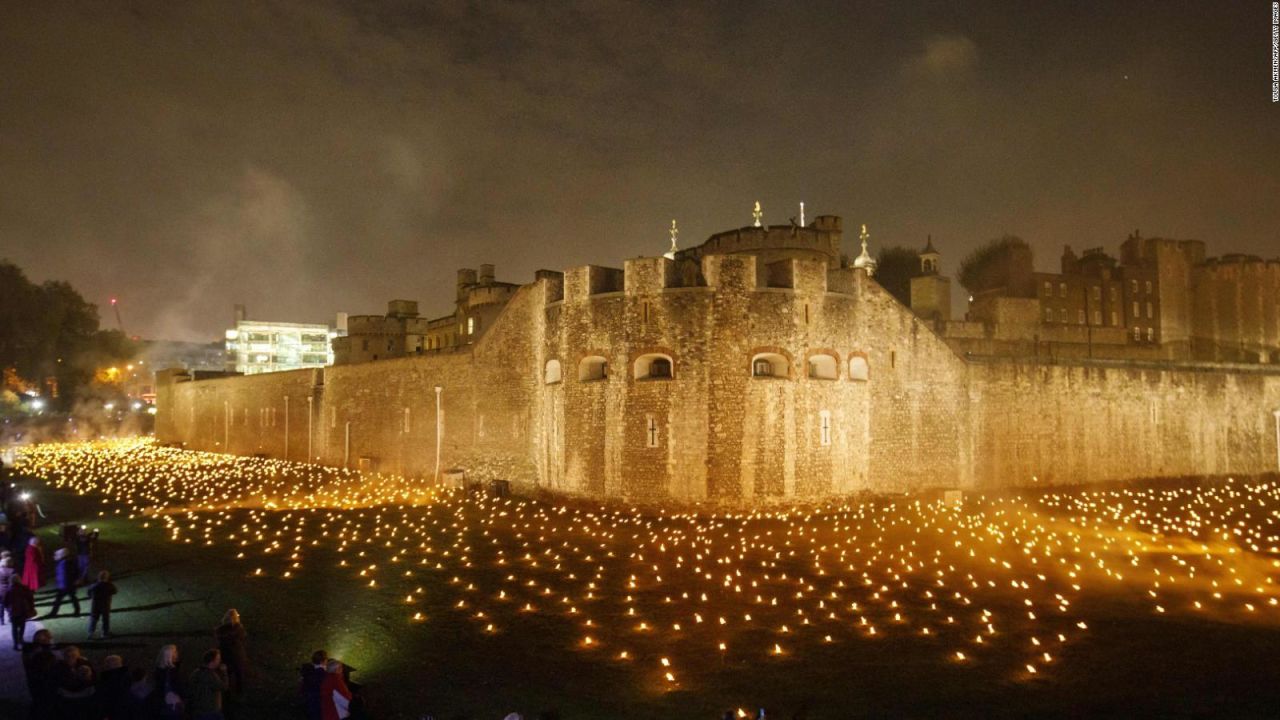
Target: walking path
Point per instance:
(13, 678)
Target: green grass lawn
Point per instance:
(1131, 662)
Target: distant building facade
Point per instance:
(257, 346)
(479, 300)
(1160, 300)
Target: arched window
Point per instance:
(770, 365)
(552, 374)
(858, 369)
(823, 367)
(592, 367)
(653, 366)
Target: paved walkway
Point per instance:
(13, 679)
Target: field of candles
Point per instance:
(1154, 598)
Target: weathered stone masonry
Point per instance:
(741, 375)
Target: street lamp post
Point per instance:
(286, 427)
(439, 431)
(1276, 413)
(309, 454)
(346, 446)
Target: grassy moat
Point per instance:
(1139, 601)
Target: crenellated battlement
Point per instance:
(817, 240)
(1234, 264)
(654, 276)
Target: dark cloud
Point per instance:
(306, 158)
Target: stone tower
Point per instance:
(929, 258)
(930, 292)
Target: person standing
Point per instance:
(335, 697)
(74, 685)
(166, 694)
(7, 576)
(84, 551)
(65, 573)
(113, 688)
(22, 607)
(138, 701)
(231, 637)
(41, 665)
(100, 604)
(313, 676)
(33, 564)
(208, 683)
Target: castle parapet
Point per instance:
(805, 274)
(820, 240)
(553, 282)
(587, 280)
(728, 272)
(649, 275)
(489, 294)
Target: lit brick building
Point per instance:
(1161, 300)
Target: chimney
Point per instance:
(241, 314)
(466, 278)
(486, 274)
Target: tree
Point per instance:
(49, 332)
(18, 309)
(894, 269)
(1004, 262)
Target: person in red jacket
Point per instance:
(335, 698)
(33, 565)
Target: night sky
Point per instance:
(310, 157)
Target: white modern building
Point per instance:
(259, 346)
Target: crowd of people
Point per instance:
(62, 682)
(65, 685)
(326, 690)
(24, 570)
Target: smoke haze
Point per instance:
(305, 158)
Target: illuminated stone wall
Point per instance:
(723, 433)
(528, 401)
(243, 414)
(1060, 424)
(1235, 309)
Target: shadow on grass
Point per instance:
(143, 570)
(144, 639)
(156, 606)
(114, 611)
(167, 634)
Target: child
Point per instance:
(100, 604)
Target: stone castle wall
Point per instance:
(902, 410)
(1236, 310)
(1060, 424)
